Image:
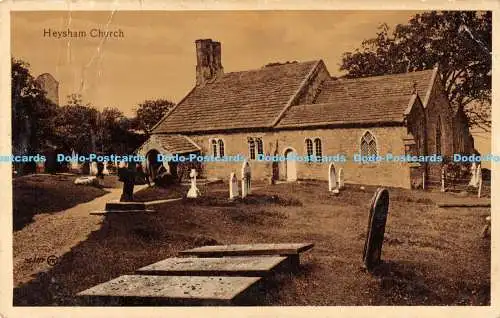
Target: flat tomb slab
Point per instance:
(224, 266)
(249, 249)
(192, 290)
(120, 206)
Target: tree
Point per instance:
(459, 41)
(76, 124)
(32, 113)
(150, 112)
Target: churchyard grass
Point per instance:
(46, 193)
(431, 256)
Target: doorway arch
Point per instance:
(152, 164)
(290, 164)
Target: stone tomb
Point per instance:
(124, 207)
(379, 209)
(219, 266)
(290, 250)
(246, 179)
(233, 187)
(169, 290)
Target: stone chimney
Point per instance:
(209, 65)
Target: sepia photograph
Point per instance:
(251, 158)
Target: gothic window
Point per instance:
(221, 147)
(255, 147)
(368, 145)
(260, 146)
(214, 147)
(317, 146)
(438, 136)
(309, 147)
(251, 148)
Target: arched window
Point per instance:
(214, 147)
(251, 148)
(309, 147)
(368, 145)
(221, 147)
(317, 147)
(438, 136)
(260, 146)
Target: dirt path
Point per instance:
(60, 232)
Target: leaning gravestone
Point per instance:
(376, 228)
(332, 180)
(341, 178)
(246, 180)
(193, 190)
(233, 186)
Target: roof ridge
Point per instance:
(297, 92)
(274, 66)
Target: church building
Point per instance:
(296, 109)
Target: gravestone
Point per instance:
(341, 178)
(193, 190)
(233, 186)
(93, 168)
(376, 227)
(474, 180)
(246, 179)
(105, 171)
(332, 180)
(127, 176)
(75, 166)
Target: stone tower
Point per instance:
(209, 65)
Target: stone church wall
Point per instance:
(334, 141)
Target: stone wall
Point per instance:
(334, 141)
(438, 108)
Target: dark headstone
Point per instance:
(100, 170)
(127, 176)
(376, 228)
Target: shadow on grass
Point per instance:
(127, 242)
(36, 194)
(123, 244)
(404, 283)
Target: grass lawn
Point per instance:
(431, 256)
(45, 193)
(159, 193)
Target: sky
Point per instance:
(156, 57)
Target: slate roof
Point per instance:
(378, 99)
(363, 111)
(256, 98)
(248, 99)
(375, 87)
